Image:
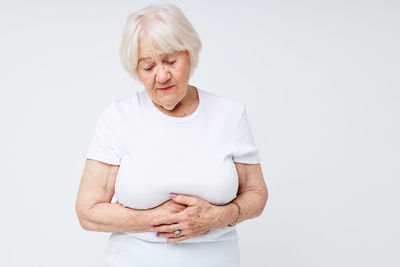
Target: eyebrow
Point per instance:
(145, 58)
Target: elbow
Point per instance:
(265, 194)
(82, 217)
(84, 225)
(264, 199)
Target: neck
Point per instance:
(186, 106)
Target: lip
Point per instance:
(166, 88)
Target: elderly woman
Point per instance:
(181, 161)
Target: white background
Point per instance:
(320, 80)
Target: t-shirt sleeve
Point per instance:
(104, 146)
(246, 150)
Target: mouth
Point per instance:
(165, 88)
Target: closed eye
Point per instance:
(171, 62)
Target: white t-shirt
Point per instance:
(159, 154)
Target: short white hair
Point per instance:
(165, 26)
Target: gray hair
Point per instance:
(166, 27)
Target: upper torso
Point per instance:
(191, 155)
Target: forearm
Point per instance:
(112, 217)
(251, 204)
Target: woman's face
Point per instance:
(157, 71)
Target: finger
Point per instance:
(163, 228)
(184, 199)
(206, 232)
(169, 234)
(170, 219)
(177, 239)
(172, 236)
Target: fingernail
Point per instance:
(152, 224)
(172, 195)
(167, 240)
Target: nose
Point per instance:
(162, 75)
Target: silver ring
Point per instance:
(177, 231)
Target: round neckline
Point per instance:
(162, 115)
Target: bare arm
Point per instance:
(95, 210)
(252, 194)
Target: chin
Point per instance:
(169, 102)
(168, 105)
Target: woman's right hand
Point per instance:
(167, 208)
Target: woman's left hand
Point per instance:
(198, 218)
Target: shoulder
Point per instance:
(214, 100)
(224, 107)
(120, 108)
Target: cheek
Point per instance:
(182, 73)
(147, 80)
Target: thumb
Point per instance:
(183, 199)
